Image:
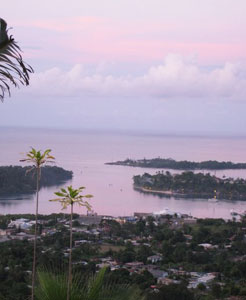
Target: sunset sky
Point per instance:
(141, 65)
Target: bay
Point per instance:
(85, 153)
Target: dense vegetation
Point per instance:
(179, 246)
(17, 180)
(168, 163)
(189, 184)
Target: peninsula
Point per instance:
(169, 163)
(189, 184)
(16, 180)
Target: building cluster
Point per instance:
(97, 233)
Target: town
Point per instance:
(196, 258)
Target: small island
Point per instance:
(169, 163)
(15, 180)
(191, 185)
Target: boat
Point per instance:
(234, 213)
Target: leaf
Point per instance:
(12, 68)
(60, 194)
(88, 196)
(72, 196)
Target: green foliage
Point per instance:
(37, 158)
(201, 286)
(71, 196)
(172, 292)
(169, 163)
(177, 254)
(15, 259)
(53, 286)
(12, 68)
(144, 280)
(189, 184)
(216, 290)
(17, 180)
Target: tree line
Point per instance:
(168, 163)
(190, 184)
(17, 180)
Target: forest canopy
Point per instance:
(189, 184)
(17, 180)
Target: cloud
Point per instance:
(175, 77)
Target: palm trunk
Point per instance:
(70, 255)
(35, 237)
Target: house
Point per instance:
(167, 281)
(21, 223)
(157, 273)
(3, 232)
(128, 219)
(197, 278)
(4, 239)
(134, 266)
(154, 258)
(81, 242)
(22, 236)
(189, 221)
(90, 219)
(140, 215)
(207, 246)
(188, 237)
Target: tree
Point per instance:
(70, 197)
(38, 159)
(216, 290)
(12, 68)
(172, 292)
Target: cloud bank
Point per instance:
(175, 77)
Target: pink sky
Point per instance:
(188, 57)
(139, 31)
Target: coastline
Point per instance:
(179, 165)
(170, 193)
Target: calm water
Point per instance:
(85, 154)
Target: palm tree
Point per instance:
(70, 197)
(54, 287)
(12, 68)
(38, 159)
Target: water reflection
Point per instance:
(15, 200)
(112, 186)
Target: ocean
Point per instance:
(85, 153)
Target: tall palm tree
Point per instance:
(38, 159)
(12, 68)
(70, 197)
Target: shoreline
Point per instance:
(177, 168)
(169, 194)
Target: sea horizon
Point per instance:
(132, 132)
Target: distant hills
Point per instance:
(16, 180)
(168, 163)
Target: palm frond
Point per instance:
(95, 285)
(13, 70)
(71, 196)
(53, 287)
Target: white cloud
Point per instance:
(175, 77)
